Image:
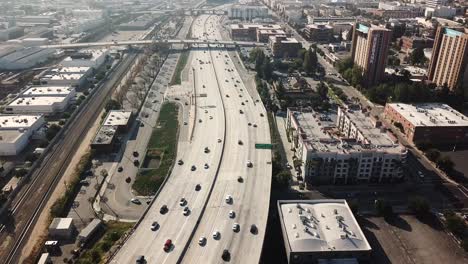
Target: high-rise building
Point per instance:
(449, 57)
(370, 50)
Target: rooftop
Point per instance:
(105, 135)
(430, 114)
(40, 100)
(47, 90)
(282, 39)
(117, 118)
(61, 223)
(320, 226)
(258, 26)
(14, 122)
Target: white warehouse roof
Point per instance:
(430, 114)
(48, 91)
(321, 225)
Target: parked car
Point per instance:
(135, 201)
(154, 226)
(163, 209)
(167, 245)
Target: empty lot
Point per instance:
(405, 239)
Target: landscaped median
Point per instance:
(183, 58)
(161, 153)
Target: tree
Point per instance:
(310, 61)
(112, 105)
(445, 163)
(383, 208)
(417, 57)
(419, 206)
(433, 154)
(52, 131)
(455, 224)
(267, 69)
(281, 180)
(322, 90)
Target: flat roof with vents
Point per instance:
(13, 122)
(320, 226)
(117, 118)
(37, 101)
(47, 91)
(430, 114)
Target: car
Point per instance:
(242, 103)
(235, 227)
(180, 162)
(146, 115)
(136, 163)
(421, 174)
(240, 111)
(240, 95)
(197, 187)
(232, 214)
(154, 226)
(249, 164)
(288, 166)
(216, 234)
(84, 182)
(228, 199)
(135, 154)
(120, 169)
(182, 201)
(257, 100)
(185, 123)
(199, 120)
(202, 241)
(254, 125)
(206, 111)
(261, 114)
(249, 124)
(226, 80)
(227, 95)
(177, 98)
(253, 229)
(140, 260)
(186, 211)
(240, 142)
(237, 81)
(235, 85)
(211, 117)
(207, 150)
(163, 209)
(219, 140)
(206, 166)
(204, 86)
(142, 125)
(193, 168)
(226, 256)
(135, 201)
(167, 245)
(240, 179)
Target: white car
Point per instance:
(249, 164)
(228, 198)
(232, 214)
(182, 201)
(421, 174)
(186, 211)
(235, 227)
(216, 234)
(202, 241)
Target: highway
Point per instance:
(218, 125)
(151, 42)
(29, 202)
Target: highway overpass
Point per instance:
(150, 42)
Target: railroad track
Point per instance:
(31, 201)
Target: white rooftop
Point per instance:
(117, 118)
(41, 100)
(430, 114)
(321, 225)
(13, 122)
(48, 90)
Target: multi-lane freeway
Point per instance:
(227, 123)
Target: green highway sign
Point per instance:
(263, 146)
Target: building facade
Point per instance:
(318, 32)
(435, 123)
(282, 46)
(410, 43)
(449, 58)
(15, 132)
(370, 50)
(354, 149)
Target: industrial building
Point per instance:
(15, 132)
(248, 32)
(318, 32)
(247, 12)
(42, 99)
(62, 228)
(449, 58)
(67, 76)
(321, 231)
(370, 50)
(116, 122)
(353, 149)
(435, 123)
(86, 58)
(24, 58)
(264, 34)
(281, 46)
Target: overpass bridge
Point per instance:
(188, 42)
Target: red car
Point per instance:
(167, 245)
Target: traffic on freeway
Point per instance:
(214, 205)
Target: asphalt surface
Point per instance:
(218, 125)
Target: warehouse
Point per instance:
(42, 99)
(321, 231)
(86, 58)
(115, 123)
(15, 132)
(73, 76)
(62, 228)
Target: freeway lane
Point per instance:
(181, 183)
(250, 198)
(28, 204)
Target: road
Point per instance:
(226, 160)
(29, 202)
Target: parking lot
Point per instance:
(406, 239)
